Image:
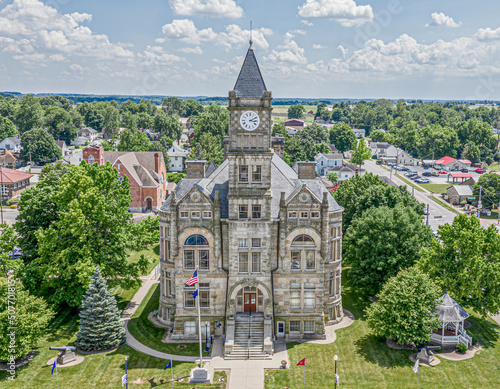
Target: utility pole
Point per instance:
(479, 205)
(428, 210)
(413, 190)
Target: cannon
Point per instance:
(63, 348)
(426, 355)
(66, 354)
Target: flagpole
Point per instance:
(418, 374)
(57, 377)
(304, 376)
(199, 316)
(126, 375)
(172, 372)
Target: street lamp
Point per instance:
(335, 358)
(206, 335)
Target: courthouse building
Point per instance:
(266, 238)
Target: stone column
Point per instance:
(174, 244)
(217, 230)
(282, 233)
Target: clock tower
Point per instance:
(248, 147)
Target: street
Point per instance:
(438, 215)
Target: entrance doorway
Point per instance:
(250, 302)
(149, 204)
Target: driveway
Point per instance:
(9, 215)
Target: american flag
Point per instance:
(193, 279)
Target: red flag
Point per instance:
(302, 362)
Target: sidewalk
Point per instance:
(244, 374)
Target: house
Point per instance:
(12, 143)
(13, 183)
(291, 131)
(324, 161)
(266, 240)
(294, 123)
(177, 156)
(464, 164)
(448, 163)
(88, 133)
(145, 171)
(398, 156)
(346, 171)
(10, 159)
(65, 149)
(458, 193)
(359, 132)
(378, 149)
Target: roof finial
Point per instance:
(251, 42)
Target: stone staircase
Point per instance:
(249, 337)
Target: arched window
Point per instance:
(196, 253)
(91, 159)
(303, 253)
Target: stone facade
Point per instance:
(264, 238)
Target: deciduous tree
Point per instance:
(29, 115)
(382, 241)
(39, 147)
(465, 261)
(406, 308)
(343, 137)
(296, 111)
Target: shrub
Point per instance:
(461, 348)
(463, 203)
(13, 206)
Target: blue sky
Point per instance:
(306, 48)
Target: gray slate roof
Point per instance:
(450, 311)
(283, 179)
(330, 156)
(14, 139)
(211, 168)
(250, 82)
(463, 190)
(140, 165)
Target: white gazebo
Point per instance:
(452, 317)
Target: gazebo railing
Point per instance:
(460, 338)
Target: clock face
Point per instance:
(249, 120)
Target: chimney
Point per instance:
(195, 169)
(306, 170)
(157, 163)
(278, 143)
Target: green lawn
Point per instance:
(152, 251)
(366, 362)
(436, 188)
(443, 204)
(493, 167)
(146, 333)
(98, 370)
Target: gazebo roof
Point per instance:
(450, 311)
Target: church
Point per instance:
(266, 238)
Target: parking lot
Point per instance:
(441, 179)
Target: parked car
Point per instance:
(480, 171)
(442, 172)
(422, 180)
(427, 174)
(435, 174)
(378, 162)
(415, 177)
(405, 169)
(465, 170)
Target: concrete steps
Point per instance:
(248, 337)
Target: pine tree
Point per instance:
(100, 326)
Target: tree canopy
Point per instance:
(39, 147)
(406, 308)
(343, 137)
(296, 111)
(382, 241)
(465, 261)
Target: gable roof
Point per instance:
(13, 176)
(445, 161)
(61, 143)
(140, 165)
(330, 156)
(379, 145)
(250, 82)
(13, 139)
(211, 168)
(463, 190)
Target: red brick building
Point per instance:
(13, 182)
(146, 173)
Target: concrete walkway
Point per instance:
(243, 374)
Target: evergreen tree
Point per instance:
(100, 326)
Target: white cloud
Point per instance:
(319, 47)
(346, 12)
(300, 32)
(192, 50)
(306, 23)
(439, 19)
(185, 31)
(77, 68)
(343, 50)
(58, 57)
(35, 26)
(288, 52)
(213, 8)
(487, 34)
(236, 37)
(465, 56)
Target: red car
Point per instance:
(480, 171)
(415, 177)
(441, 172)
